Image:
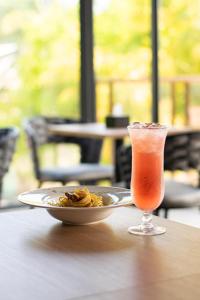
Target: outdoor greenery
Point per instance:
(46, 34)
(42, 75)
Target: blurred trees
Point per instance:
(123, 51)
(47, 61)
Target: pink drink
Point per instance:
(147, 164)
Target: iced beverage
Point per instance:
(147, 183)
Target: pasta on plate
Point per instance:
(79, 198)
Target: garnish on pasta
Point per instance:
(79, 198)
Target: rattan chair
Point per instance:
(182, 152)
(8, 137)
(88, 171)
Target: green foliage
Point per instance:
(47, 62)
(179, 35)
(122, 35)
(48, 58)
(122, 38)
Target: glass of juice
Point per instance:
(147, 183)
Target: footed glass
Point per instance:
(147, 183)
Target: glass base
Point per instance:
(140, 230)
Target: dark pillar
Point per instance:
(87, 81)
(154, 46)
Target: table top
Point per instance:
(93, 130)
(99, 130)
(42, 259)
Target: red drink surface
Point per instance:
(147, 168)
(147, 183)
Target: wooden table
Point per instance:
(42, 259)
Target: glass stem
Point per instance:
(147, 222)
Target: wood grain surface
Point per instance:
(42, 259)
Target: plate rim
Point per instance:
(48, 206)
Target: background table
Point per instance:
(94, 130)
(90, 130)
(42, 259)
(99, 130)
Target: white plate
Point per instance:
(113, 197)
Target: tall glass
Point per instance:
(147, 184)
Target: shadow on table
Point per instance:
(82, 239)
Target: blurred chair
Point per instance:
(194, 153)
(88, 171)
(179, 155)
(8, 137)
